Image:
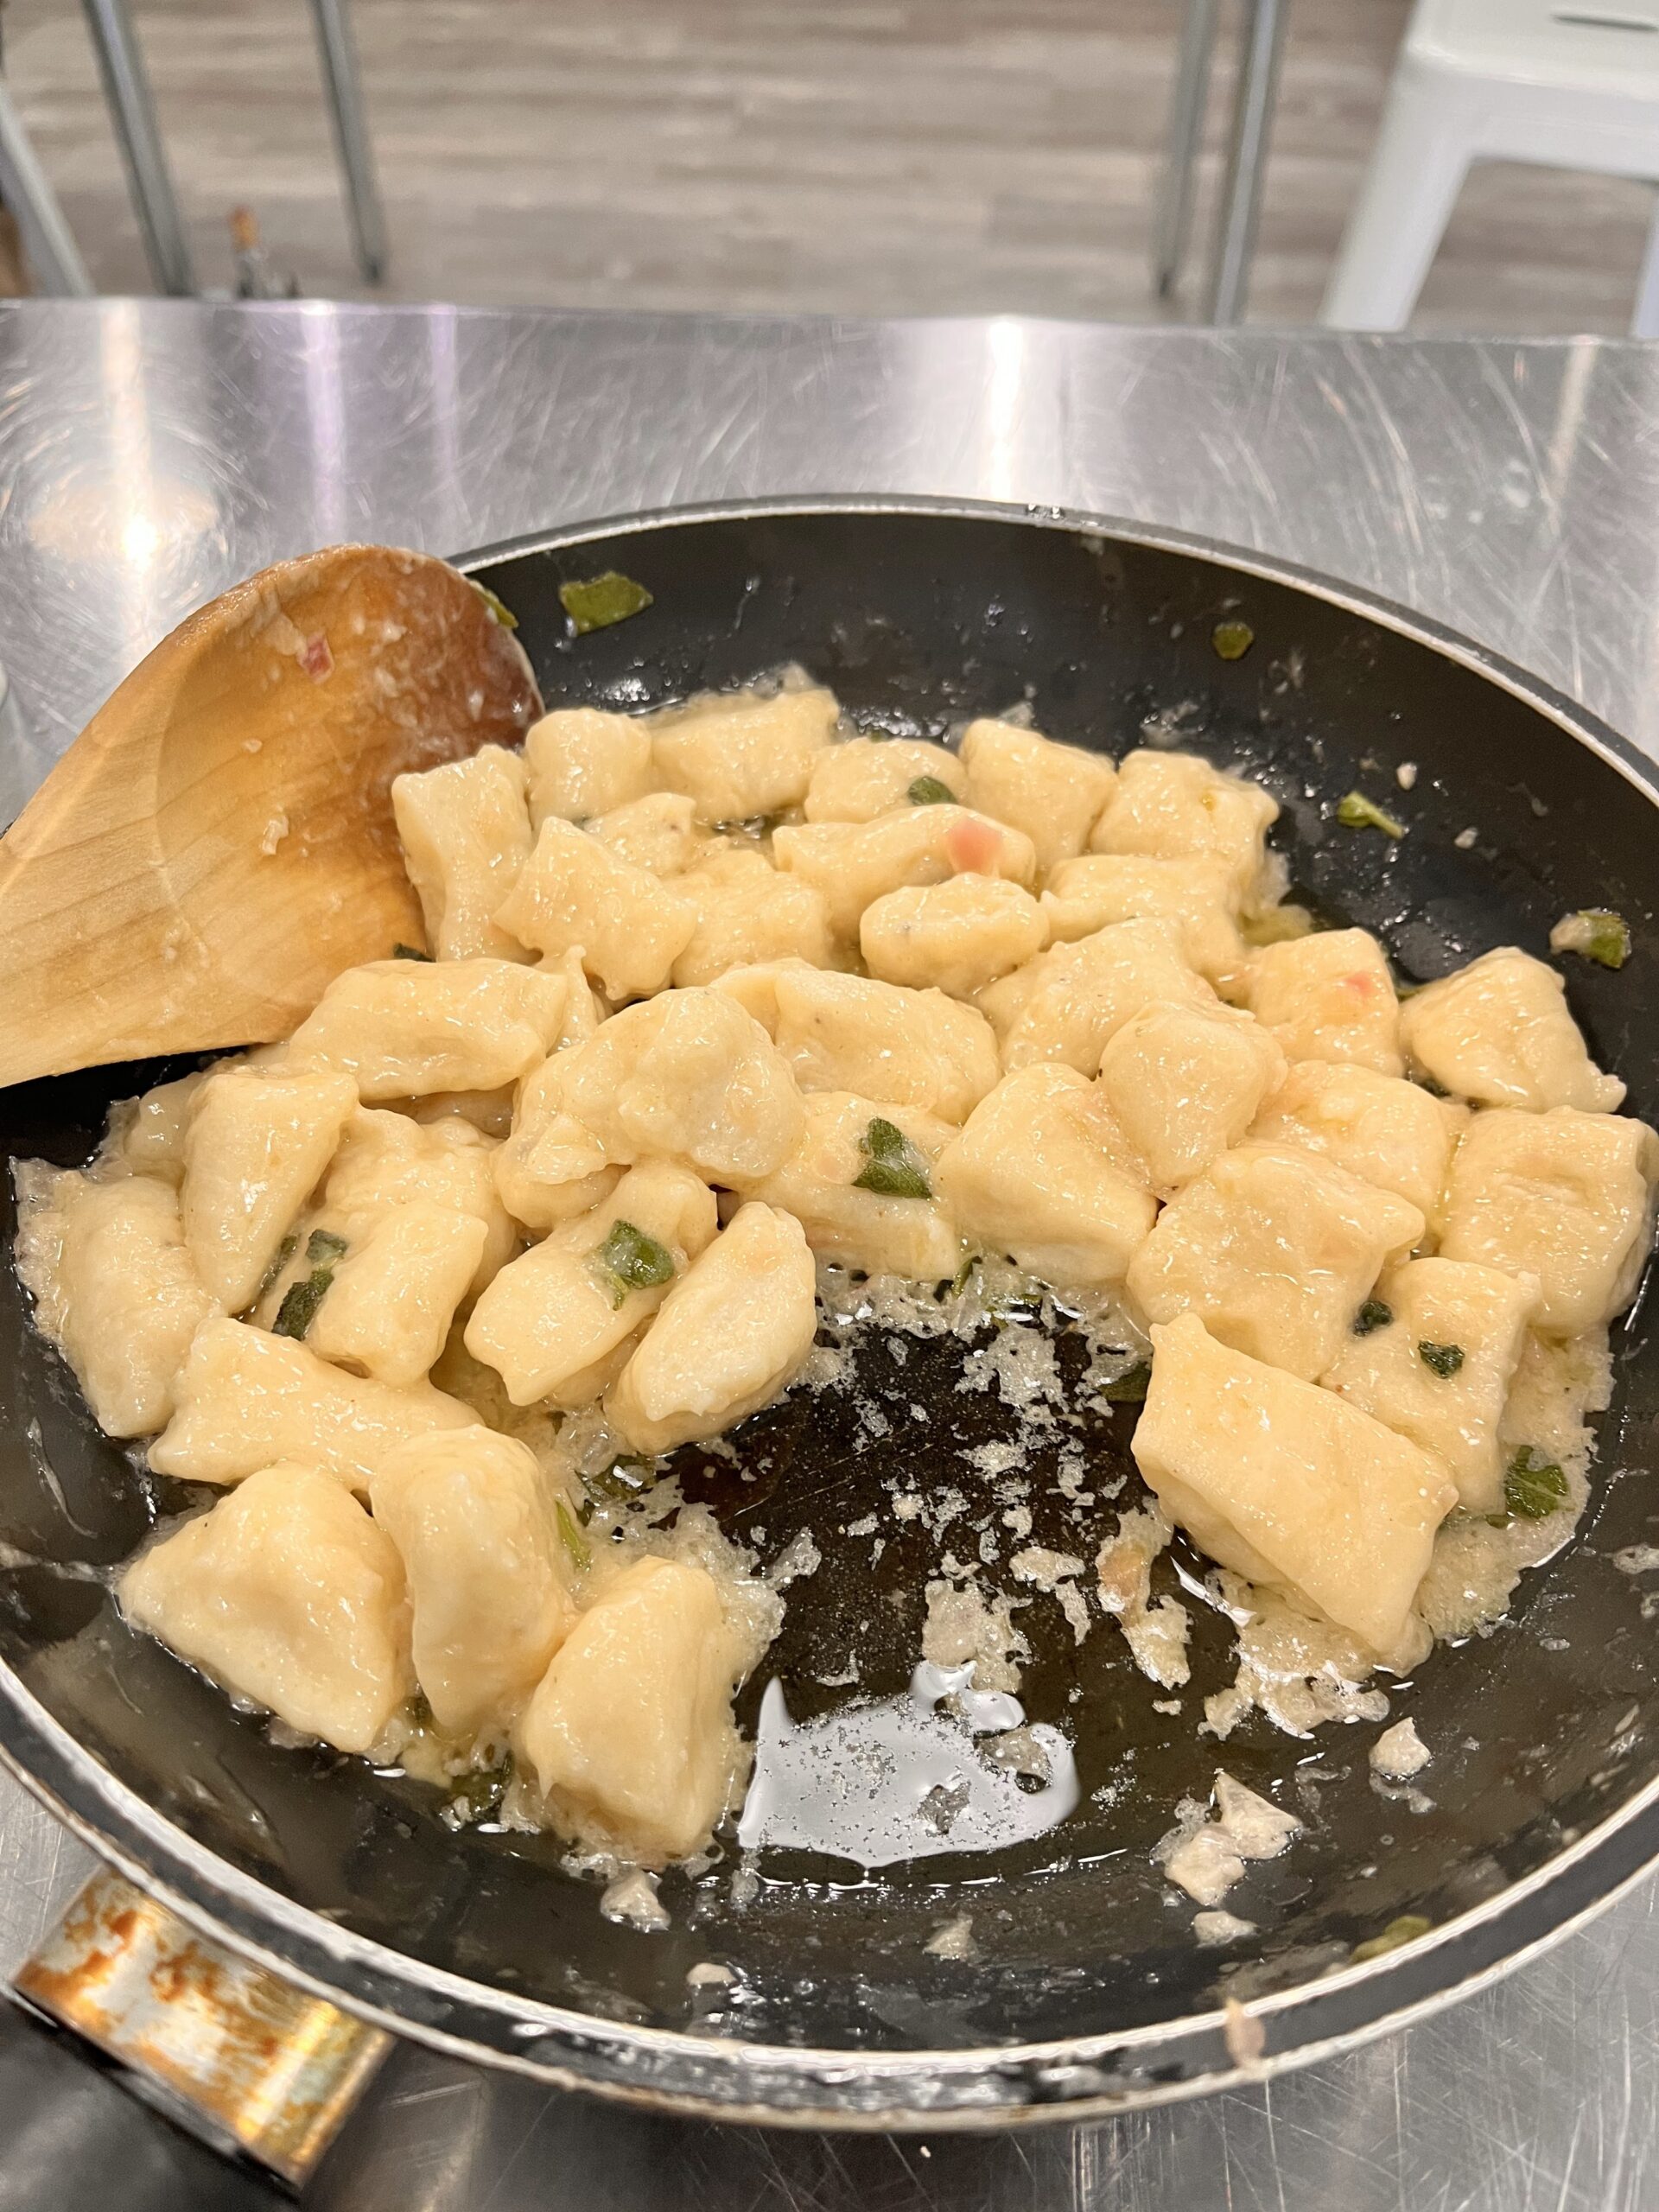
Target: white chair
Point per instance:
(1567, 84)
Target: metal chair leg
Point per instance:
(1174, 212)
(1253, 106)
(49, 243)
(1644, 321)
(126, 88)
(345, 90)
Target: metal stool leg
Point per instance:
(1253, 106)
(126, 88)
(47, 240)
(1174, 212)
(345, 90)
(1644, 323)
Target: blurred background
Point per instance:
(847, 156)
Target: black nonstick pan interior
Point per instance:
(1541, 1729)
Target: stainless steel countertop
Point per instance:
(151, 453)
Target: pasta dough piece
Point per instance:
(954, 936)
(729, 1336)
(690, 1077)
(386, 1159)
(866, 776)
(552, 1316)
(1183, 1083)
(152, 1135)
(256, 1148)
(288, 1594)
(1383, 1129)
(1499, 1032)
(1565, 1196)
(387, 1310)
(487, 1581)
(1042, 1172)
(402, 1028)
(1172, 806)
(1287, 1482)
(1054, 793)
(1087, 894)
(658, 833)
(573, 890)
(582, 763)
(1451, 1306)
(849, 1032)
(550, 1168)
(244, 1399)
(1081, 994)
(854, 863)
(748, 912)
(743, 754)
(113, 1286)
(860, 1228)
(465, 831)
(1329, 997)
(629, 1733)
(1274, 1251)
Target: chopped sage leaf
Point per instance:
(1129, 1389)
(1532, 1486)
(599, 602)
(928, 791)
(1232, 640)
(1596, 933)
(285, 1251)
(629, 1476)
(1356, 811)
(324, 1247)
(570, 1535)
(300, 1302)
(1443, 1360)
(634, 1260)
(964, 1275)
(502, 613)
(894, 1169)
(421, 1714)
(409, 952)
(1373, 1315)
(1406, 1929)
(481, 1790)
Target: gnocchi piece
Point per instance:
(954, 937)
(1383, 1129)
(402, 1028)
(465, 831)
(256, 1148)
(658, 833)
(748, 912)
(582, 763)
(550, 1168)
(152, 1135)
(1077, 996)
(1274, 1251)
(244, 1399)
(1042, 1172)
(866, 776)
(731, 1334)
(742, 755)
(1499, 1032)
(1329, 997)
(114, 1288)
(288, 1593)
(551, 1316)
(854, 863)
(883, 1229)
(1285, 1483)
(1088, 894)
(688, 1077)
(394, 1295)
(1438, 1368)
(488, 1595)
(387, 1160)
(1183, 1083)
(629, 1733)
(1172, 806)
(575, 890)
(1564, 1196)
(1054, 793)
(849, 1032)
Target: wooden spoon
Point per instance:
(218, 842)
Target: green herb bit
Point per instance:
(1356, 811)
(964, 1275)
(1596, 933)
(1443, 1360)
(1406, 1929)
(1129, 1389)
(601, 601)
(1373, 1315)
(481, 1792)
(629, 1476)
(928, 791)
(325, 1250)
(502, 614)
(1232, 640)
(894, 1168)
(410, 952)
(570, 1535)
(1532, 1486)
(634, 1260)
(285, 1251)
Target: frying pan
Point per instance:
(1087, 1991)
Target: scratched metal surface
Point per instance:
(151, 453)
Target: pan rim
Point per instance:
(993, 2086)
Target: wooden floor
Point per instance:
(856, 157)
